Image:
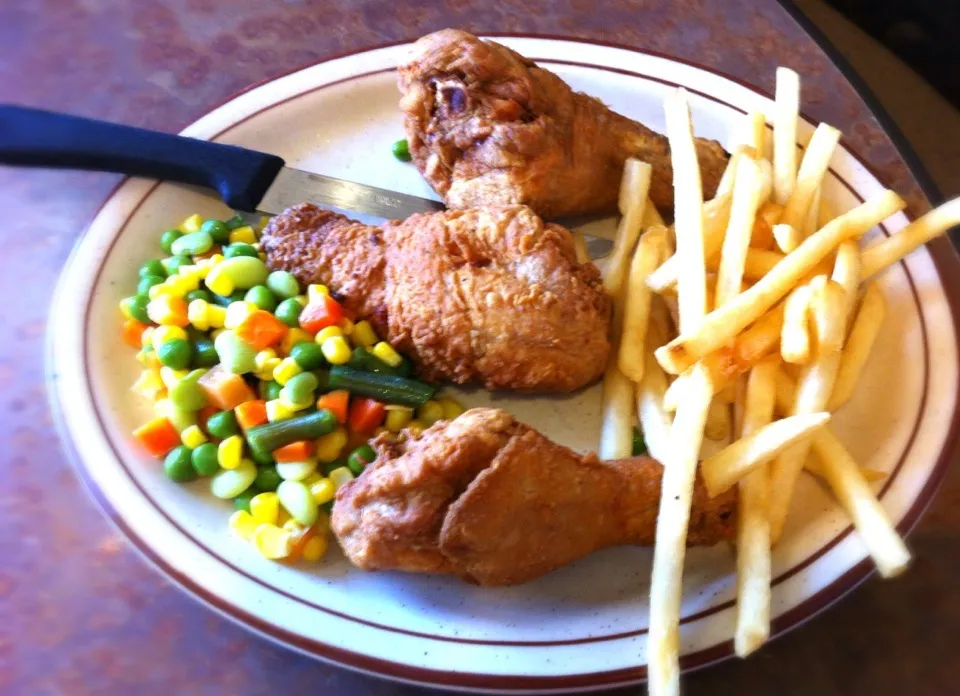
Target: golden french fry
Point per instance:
(679, 471)
(731, 361)
(724, 323)
(787, 237)
(846, 272)
(747, 192)
(580, 247)
(860, 342)
(655, 422)
(826, 213)
(755, 134)
(688, 212)
(634, 187)
(795, 337)
(651, 216)
(674, 393)
(785, 117)
(616, 430)
(767, 216)
(753, 528)
(814, 165)
(828, 314)
(883, 254)
(727, 395)
(845, 479)
(725, 185)
(872, 475)
(636, 313)
(813, 214)
(719, 424)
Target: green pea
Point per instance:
(199, 294)
(204, 353)
(308, 355)
(639, 446)
(235, 222)
(222, 425)
(261, 296)
(359, 458)
(283, 284)
(288, 312)
(168, 238)
(242, 501)
(193, 244)
(219, 231)
(236, 356)
(270, 390)
(299, 389)
(173, 263)
(147, 282)
(401, 150)
(239, 249)
(245, 271)
(267, 479)
(261, 458)
(204, 459)
(175, 353)
(177, 465)
(137, 306)
(153, 267)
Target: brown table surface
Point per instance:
(82, 613)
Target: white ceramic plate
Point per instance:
(581, 627)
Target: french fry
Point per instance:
(872, 475)
(636, 314)
(813, 214)
(756, 264)
(753, 528)
(728, 466)
(727, 395)
(881, 255)
(860, 342)
(787, 237)
(679, 471)
(725, 185)
(795, 337)
(846, 272)
(767, 216)
(785, 117)
(634, 188)
(723, 324)
(826, 213)
(848, 484)
(747, 190)
(580, 247)
(814, 165)
(828, 314)
(655, 422)
(731, 361)
(688, 211)
(616, 430)
(651, 216)
(719, 424)
(674, 393)
(755, 136)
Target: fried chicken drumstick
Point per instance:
(497, 503)
(491, 295)
(486, 126)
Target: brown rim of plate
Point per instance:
(942, 255)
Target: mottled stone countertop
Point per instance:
(82, 612)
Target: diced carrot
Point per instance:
(337, 401)
(322, 312)
(366, 415)
(298, 451)
(132, 331)
(224, 389)
(251, 413)
(158, 436)
(261, 329)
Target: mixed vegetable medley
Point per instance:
(269, 390)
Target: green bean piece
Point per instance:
(387, 388)
(272, 436)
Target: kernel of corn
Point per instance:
(315, 548)
(210, 261)
(230, 452)
(328, 332)
(243, 525)
(183, 283)
(167, 310)
(272, 542)
(323, 491)
(340, 476)
(146, 338)
(315, 292)
(282, 518)
(415, 427)
(387, 354)
(216, 316)
(430, 412)
(294, 405)
(237, 312)
(193, 437)
(347, 326)
(265, 508)
(243, 235)
(296, 529)
(277, 411)
(171, 377)
(261, 358)
(287, 369)
(197, 315)
(266, 372)
(451, 408)
(398, 418)
(125, 308)
(191, 224)
(162, 334)
(363, 334)
(292, 338)
(200, 269)
(336, 350)
(148, 384)
(148, 359)
(159, 289)
(218, 282)
(330, 446)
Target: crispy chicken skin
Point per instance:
(488, 295)
(486, 126)
(497, 503)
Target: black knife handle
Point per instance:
(35, 138)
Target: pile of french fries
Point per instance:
(757, 303)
